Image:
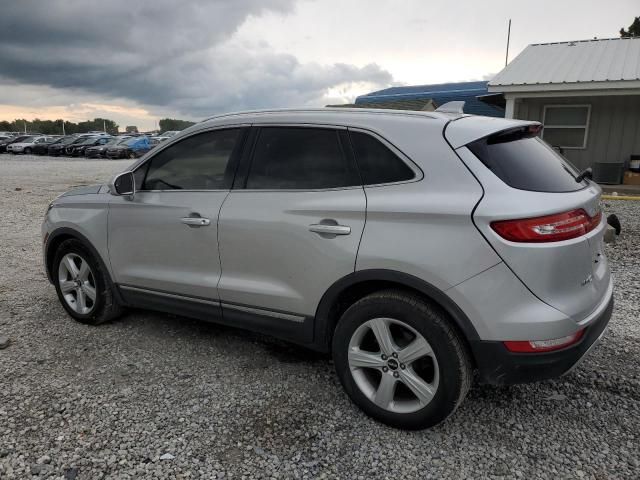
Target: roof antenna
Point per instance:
(506, 58)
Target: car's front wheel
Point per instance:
(400, 360)
(27, 151)
(83, 286)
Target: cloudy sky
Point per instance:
(138, 61)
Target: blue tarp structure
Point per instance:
(440, 94)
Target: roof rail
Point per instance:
(451, 107)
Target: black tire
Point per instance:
(27, 151)
(430, 321)
(131, 155)
(105, 307)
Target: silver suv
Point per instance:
(415, 247)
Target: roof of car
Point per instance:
(337, 112)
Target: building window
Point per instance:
(566, 126)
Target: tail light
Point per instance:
(550, 228)
(539, 346)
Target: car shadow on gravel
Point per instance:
(281, 350)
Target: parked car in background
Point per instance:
(100, 151)
(4, 144)
(169, 133)
(420, 249)
(78, 149)
(26, 145)
(132, 148)
(43, 147)
(59, 148)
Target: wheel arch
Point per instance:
(356, 285)
(55, 239)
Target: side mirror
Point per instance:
(123, 184)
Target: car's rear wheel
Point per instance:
(83, 286)
(400, 360)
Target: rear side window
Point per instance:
(299, 158)
(525, 162)
(378, 164)
(198, 162)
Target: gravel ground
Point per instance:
(157, 396)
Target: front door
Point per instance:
(291, 228)
(165, 239)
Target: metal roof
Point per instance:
(574, 65)
(440, 94)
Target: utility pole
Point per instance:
(63, 127)
(25, 127)
(506, 58)
(104, 125)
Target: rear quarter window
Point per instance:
(526, 162)
(378, 164)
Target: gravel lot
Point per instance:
(108, 402)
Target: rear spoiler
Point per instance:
(464, 130)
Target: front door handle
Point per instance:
(328, 229)
(196, 221)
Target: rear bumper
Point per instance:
(499, 366)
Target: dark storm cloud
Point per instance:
(176, 55)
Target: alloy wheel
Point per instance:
(393, 365)
(77, 283)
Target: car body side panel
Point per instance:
(151, 247)
(502, 308)
(269, 256)
(86, 214)
(424, 228)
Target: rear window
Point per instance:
(524, 161)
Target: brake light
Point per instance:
(550, 228)
(539, 346)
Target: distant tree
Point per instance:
(131, 129)
(167, 124)
(98, 124)
(634, 29)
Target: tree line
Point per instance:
(54, 127)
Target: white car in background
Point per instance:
(26, 145)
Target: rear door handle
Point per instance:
(328, 229)
(196, 221)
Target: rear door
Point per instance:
(291, 226)
(524, 178)
(165, 239)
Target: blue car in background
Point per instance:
(132, 148)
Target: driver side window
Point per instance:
(198, 162)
